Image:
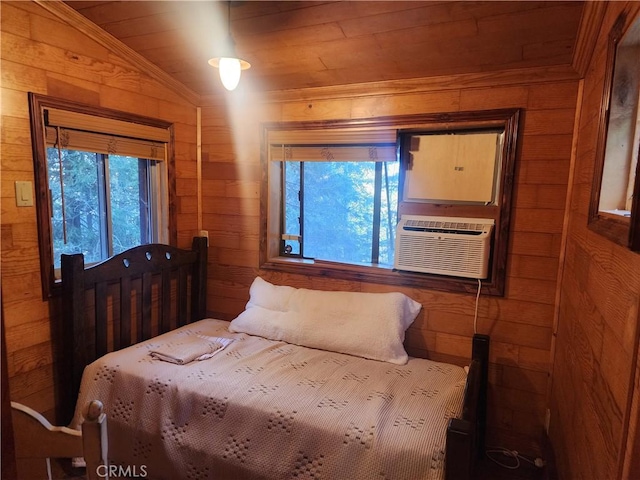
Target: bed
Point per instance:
(267, 401)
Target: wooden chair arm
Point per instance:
(36, 438)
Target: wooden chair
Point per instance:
(36, 441)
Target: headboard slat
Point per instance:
(145, 332)
(182, 289)
(165, 318)
(125, 312)
(100, 295)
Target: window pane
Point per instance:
(339, 211)
(388, 212)
(292, 206)
(82, 206)
(86, 213)
(128, 198)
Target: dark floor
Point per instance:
(491, 471)
(488, 471)
(61, 469)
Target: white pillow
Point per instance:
(370, 325)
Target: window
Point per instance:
(104, 177)
(614, 203)
(339, 201)
(333, 192)
(102, 204)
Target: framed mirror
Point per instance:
(613, 210)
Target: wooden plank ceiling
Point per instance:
(298, 44)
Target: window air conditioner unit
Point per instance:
(444, 245)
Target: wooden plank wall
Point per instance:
(599, 303)
(520, 323)
(597, 338)
(42, 54)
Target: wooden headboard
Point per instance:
(130, 297)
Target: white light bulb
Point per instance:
(230, 69)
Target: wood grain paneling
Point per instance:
(520, 323)
(597, 331)
(42, 53)
(597, 339)
(293, 45)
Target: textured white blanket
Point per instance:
(268, 409)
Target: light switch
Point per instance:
(24, 194)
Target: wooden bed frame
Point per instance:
(152, 289)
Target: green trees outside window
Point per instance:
(100, 203)
(341, 211)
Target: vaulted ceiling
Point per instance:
(298, 44)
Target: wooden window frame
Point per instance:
(625, 232)
(495, 285)
(37, 103)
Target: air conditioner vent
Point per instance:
(444, 245)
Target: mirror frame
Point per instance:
(620, 231)
(494, 285)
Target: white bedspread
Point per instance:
(267, 409)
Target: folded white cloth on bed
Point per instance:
(190, 348)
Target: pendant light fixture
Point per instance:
(227, 62)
